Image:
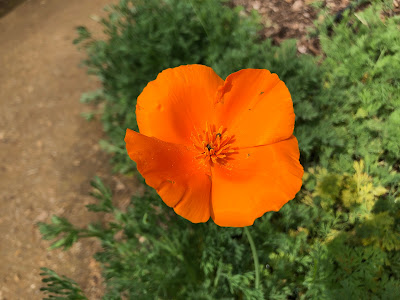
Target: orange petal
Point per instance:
(256, 106)
(178, 101)
(256, 180)
(174, 172)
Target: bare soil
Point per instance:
(48, 152)
(7, 5)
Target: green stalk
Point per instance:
(255, 258)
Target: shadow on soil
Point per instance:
(8, 5)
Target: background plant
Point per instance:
(339, 239)
(146, 37)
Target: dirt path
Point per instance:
(48, 153)
(7, 5)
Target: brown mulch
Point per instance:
(285, 19)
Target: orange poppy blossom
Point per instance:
(217, 148)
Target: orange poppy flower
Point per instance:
(217, 148)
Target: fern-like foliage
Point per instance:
(316, 247)
(146, 37)
(60, 287)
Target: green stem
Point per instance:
(255, 257)
(204, 27)
(201, 21)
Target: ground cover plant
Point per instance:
(339, 238)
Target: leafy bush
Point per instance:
(358, 108)
(340, 237)
(146, 37)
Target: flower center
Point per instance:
(214, 146)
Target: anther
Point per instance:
(214, 146)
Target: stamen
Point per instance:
(214, 146)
